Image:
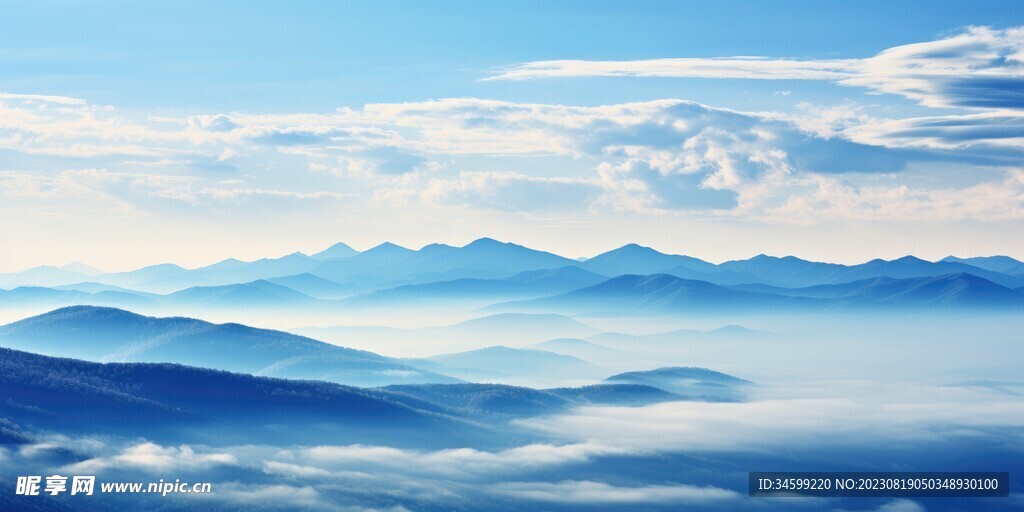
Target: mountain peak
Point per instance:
(338, 250)
(487, 242)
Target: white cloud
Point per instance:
(979, 68)
(851, 413)
(581, 492)
(724, 67)
(511, 191)
(657, 157)
(60, 100)
(153, 457)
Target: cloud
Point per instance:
(851, 413)
(894, 506)
(511, 191)
(662, 157)
(724, 67)
(464, 464)
(580, 492)
(981, 68)
(60, 100)
(153, 457)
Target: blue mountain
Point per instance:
(314, 286)
(35, 297)
(338, 250)
(791, 272)
(255, 294)
(476, 400)
(1001, 264)
(483, 258)
(499, 361)
(171, 402)
(687, 381)
(583, 349)
(108, 334)
(531, 283)
(961, 289)
(658, 293)
(42, 276)
(637, 259)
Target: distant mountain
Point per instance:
(500, 361)
(483, 258)
(491, 254)
(108, 334)
(637, 259)
(475, 400)
(557, 279)
(658, 293)
(254, 294)
(961, 289)
(234, 271)
(338, 250)
(94, 287)
(791, 272)
(314, 286)
(583, 349)
(168, 401)
(82, 268)
(687, 381)
(668, 294)
(531, 283)
(34, 296)
(514, 328)
(376, 263)
(161, 278)
(1001, 264)
(41, 276)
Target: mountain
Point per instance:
(377, 263)
(314, 286)
(338, 250)
(491, 254)
(637, 259)
(163, 278)
(483, 259)
(255, 294)
(557, 279)
(658, 293)
(34, 296)
(500, 362)
(169, 402)
(108, 334)
(527, 284)
(234, 271)
(961, 289)
(475, 400)
(514, 328)
(1001, 264)
(41, 276)
(582, 349)
(791, 272)
(687, 381)
(82, 268)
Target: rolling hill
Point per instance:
(108, 334)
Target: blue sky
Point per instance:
(133, 133)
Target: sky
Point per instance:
(138, 133)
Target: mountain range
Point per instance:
(631, 278)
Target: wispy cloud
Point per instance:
(979, 68)
(586, 492)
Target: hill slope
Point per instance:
(108, 334)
